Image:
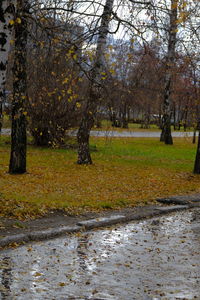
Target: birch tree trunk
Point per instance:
(7, 11)
(88, 118)
(166, 122)
(18, 134)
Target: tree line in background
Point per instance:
(70, 64)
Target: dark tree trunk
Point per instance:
(166, 129)
(98, 120)
(174, 114)
(89, 114)
(179, 116)
(110, 112)
(166, 135)
(119, 117)
(147, 120)
(86, 125)
(160, 118)
(18, 134)
(128, 114)
(185, 118)
(162, 136)
(41, 137)
(1, 113)
(197, 160)
(114, 120)
(124, 119)
(194, 136)
(162, 129)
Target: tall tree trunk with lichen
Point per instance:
(18, 134)
(89, 113)
(7, 11)
(166, 121)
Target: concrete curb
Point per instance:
(173, 201)
(87, 225)
(101, 222)
(181, 200)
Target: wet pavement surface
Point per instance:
(138, 134)
(153, 259)
(130, 133)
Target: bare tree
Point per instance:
(94, 87)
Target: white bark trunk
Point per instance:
(7, 12)
(102, 40)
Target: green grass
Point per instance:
(148, 152)
(126, 172)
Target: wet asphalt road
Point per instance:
(139, 134)
(152, 259)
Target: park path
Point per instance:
(104, 133)
(149, 134)
(151, 259)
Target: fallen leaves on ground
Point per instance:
(126, 172)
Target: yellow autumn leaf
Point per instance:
(11, 22)
(112, 71)
(62, 284)
(37, 274)
(69, 91)
(78, 105)
(65, 80)
(18, 20)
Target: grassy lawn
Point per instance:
(126, 172)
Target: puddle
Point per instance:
(153, 259)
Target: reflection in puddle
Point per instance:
(6, 277)
(152, 259)
(82, 250)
